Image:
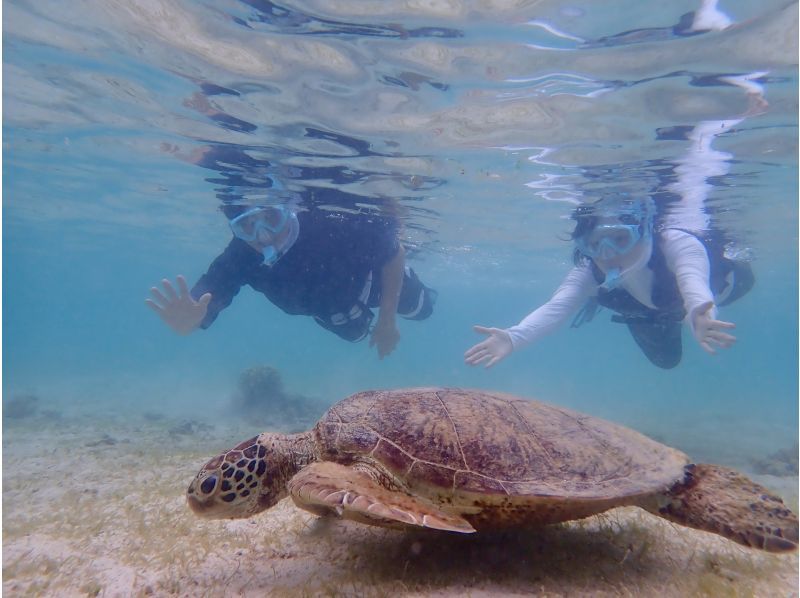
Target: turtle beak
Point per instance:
(197, 506)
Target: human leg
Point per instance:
(416, 300)
(659, 340)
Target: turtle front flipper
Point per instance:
(326, 487)
(725, 502)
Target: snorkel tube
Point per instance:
(271, 239)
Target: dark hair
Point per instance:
(583, 226)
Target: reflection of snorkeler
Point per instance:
(335, 267)
(706, 18)
(200, 102)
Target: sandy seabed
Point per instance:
(96, 507)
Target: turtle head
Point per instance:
(249, 478)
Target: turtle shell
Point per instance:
(450, 443)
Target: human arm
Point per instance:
(687, 258)
(385, 335)
(576, 288)
(232, 269)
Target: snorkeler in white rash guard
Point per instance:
(654, 279)
(655, 270)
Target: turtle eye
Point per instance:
(209, 484)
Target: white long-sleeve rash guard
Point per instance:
(685, 256)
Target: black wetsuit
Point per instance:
(324, 274)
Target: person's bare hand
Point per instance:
(385, 337)
(490, 351)
(178, 309)
(710, 332)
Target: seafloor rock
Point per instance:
(783, 462)
(21, 406)
(106, 440)
(260, 396)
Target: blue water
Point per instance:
(484, 125)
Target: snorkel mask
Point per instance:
(629, 223)
(623, 224)
(607, 241)
(263, 226)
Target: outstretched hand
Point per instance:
(709, 332)
(178, 309)
(490, 351)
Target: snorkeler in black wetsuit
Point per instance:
(336, 267)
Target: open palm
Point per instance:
(178, 309)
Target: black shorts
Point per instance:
(416, 300)
(416, 303)
(659, 339)
(659, 335)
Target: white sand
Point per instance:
(111, 520)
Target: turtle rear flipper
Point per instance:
(326, 487)
(722, 501)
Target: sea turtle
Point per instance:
(466, 460)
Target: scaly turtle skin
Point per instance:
(466, 460)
